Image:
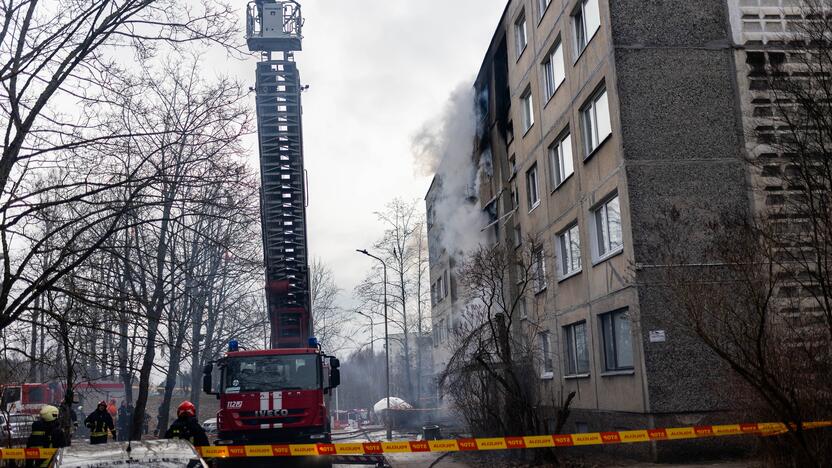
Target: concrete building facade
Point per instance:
(601, 116)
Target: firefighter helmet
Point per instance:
(186, 408)
(102, 403)
(48, 413)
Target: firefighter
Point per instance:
(46, 433)
(99, 422)
(187, 427)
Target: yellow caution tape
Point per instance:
(457, 445)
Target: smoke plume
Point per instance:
(445, 146)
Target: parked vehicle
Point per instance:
(162, 453)
(210, 426)
(15, 427)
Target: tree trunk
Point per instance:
(170, 381)
(33, 347)
(154, 315)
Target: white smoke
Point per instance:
(445, 146)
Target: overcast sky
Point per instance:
(377, 70)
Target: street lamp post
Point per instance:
(386, 341)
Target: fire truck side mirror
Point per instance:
(334, 378)
(207, 380)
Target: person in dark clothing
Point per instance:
(125, 420)
(146, 426)
(46, 433)
(187, 427)
(99, 422)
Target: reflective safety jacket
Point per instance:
(99, 423)
(45, 435)
(188, 428)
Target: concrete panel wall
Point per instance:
(682, 146)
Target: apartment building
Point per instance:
(600, 115)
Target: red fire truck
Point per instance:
(278, 395)
(27, 397)
(273, 396)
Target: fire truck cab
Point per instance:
(272, 396)
(26, 398)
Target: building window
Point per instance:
(542, 6)
(595, 120)
(439, 290)
(547, 366)
(560, 160)
(587, 20)
(515, 195)
(618, 343)
(528, 110)
(520, 35)
(521, 273)
(532, 193)
(569, 251)
(512, 165)
(607, 220)
(554, 72)
(521, 307)
(538, 270)
(576, 349)
(518, 236)
(510, 131)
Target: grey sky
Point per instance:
(377, 70)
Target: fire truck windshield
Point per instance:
(270, 373)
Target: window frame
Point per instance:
(538, 270)
(518, 235)
(590, 131)
(527, 110)
(521, 31)
(579, 26)
(550, 83)
(523, 307)
(571, 363)
(532, 203)
(609, 335)
(557, 159)
(564, 251)
(547, 362)
(610, 251)
(542, 8)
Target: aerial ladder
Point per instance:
(278, 395)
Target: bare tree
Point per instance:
(492, 374)
(759, 291)
(60, 57)
(330, 321)
(403, 249)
